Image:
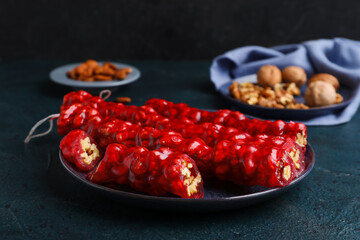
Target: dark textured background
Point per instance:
(40, 200)
(161, 29)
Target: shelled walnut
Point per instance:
(282, 96)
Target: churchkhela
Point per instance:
(156, 172)
(212, 160)
(79, 148)
(219, 148)
(228, 118)
(218, 122)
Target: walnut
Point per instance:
(293, 89)
(286, 99)
(301, 106)
(91, 152)
(277, 105)
(319, 94)
(190, 181)
(268, 93)
(294, 74)
(280, 96)
(268, 75)
(234, 90)
(295, 156)
(290, 88)
(325, 77)
(301, 139)
(286, 172)
(338, 98)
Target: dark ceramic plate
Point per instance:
(218, 195)
(58, 75)
(347, 93)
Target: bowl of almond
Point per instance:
(287, 93)
(95, 76)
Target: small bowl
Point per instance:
(58, 75)
(347, 92)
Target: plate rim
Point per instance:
(141, 196)
(134, 75)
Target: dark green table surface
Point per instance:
(40, 200)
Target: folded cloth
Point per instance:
(339, 57)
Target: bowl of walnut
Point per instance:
(287, 93)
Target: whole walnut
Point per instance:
(325, 77)
(319, 94)
(268, 75)
(294, 74)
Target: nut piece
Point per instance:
(90, 151)
(100, 77)
(289, 88)
(104, 71)
(325, 77)
(91, 63)
(338, 98)
(110, 65)
(268, 75)
(301, 139)
(190, 181)
(286, 173)
(319, 94)
(91, 71)
(294, 74)
(123, 100)
(122, 73)
(280, 96)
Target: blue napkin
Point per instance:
(339, 57)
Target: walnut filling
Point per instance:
(91, 152)
(295, 156)
(301, 139)
(286, 172)
(190, 181)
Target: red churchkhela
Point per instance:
(217, 143)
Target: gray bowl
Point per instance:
(347, 92)
(58, 75)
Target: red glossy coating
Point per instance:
(204, 142)
(75, 97)
(206, 157)
(72, 150)
(155, 172)
(226, 118)
(78, 116)
(181, 118)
